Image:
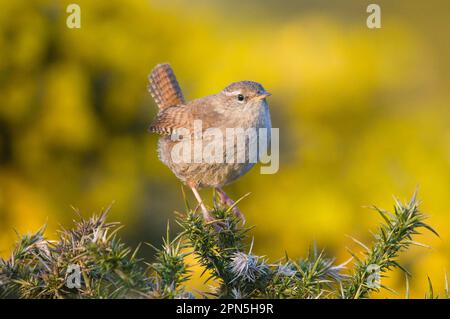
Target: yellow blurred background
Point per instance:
(363, 115)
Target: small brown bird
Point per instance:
(240, 105)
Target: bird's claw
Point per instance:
(216, 223)
(226, 200)
(237, 212)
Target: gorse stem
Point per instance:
(393, 237)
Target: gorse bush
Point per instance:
(90, 261)
(39, 268)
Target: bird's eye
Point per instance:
(240, 97)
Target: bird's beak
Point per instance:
(262, 95)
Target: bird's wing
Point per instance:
(183, 116)
(164, 87)
(172, 118)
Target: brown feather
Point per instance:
(172, 118)
(164, 87)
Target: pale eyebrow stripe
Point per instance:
(233, 93)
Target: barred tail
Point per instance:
(164, 87)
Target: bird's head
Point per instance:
(243, 94)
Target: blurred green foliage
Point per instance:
(362, 114)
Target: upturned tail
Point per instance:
(164, 87)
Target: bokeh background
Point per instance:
(363, 115)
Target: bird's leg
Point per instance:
(226, 200)
(205, 211)
(206, 216)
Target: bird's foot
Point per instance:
(209, 220)
(226, 200)
(237, 212)
(216, 223)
